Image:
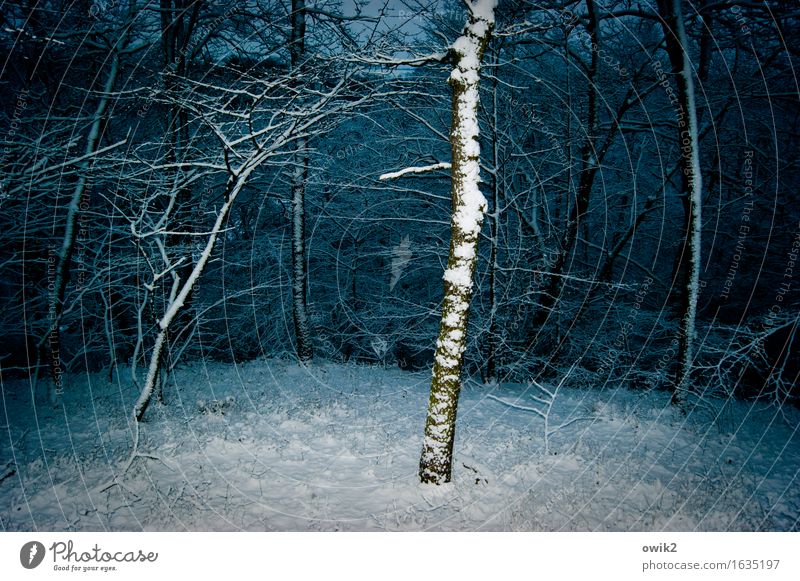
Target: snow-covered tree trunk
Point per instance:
(181, 289)
(298, 180)
(469, 206)
(689, 142)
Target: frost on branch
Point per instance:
(469, 207)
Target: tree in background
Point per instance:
(299, 177)
(692, 189)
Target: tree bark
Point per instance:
(687, 271)
(298, 181)
(469, 207)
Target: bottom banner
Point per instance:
(358, 556)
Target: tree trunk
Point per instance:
(78, 201)
(469, 207)
(183, 288)
(152, 376)
(178, 21)
(491, 342)
(299, 273)
(687, 275)
(590, 163)
(298, 180)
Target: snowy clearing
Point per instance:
(271, 446)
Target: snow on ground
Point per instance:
(271, 446)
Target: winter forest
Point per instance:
(367, 265)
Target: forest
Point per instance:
(400, 265)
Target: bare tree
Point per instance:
(254, 129)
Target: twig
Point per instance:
(117, 480)
(517, 406)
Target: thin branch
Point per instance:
(414, 170)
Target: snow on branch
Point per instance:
(413, 170)
(381, 59)
(482, 9)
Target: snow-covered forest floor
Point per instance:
(271, 446)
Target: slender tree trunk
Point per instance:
(687, 275)
(152, 376)
(298, 179)
(300, 275)
(692, 171)
(77, 202)
(183, 288)
(178, 21)
(469, 207)
(491, 356)
(580, 207)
